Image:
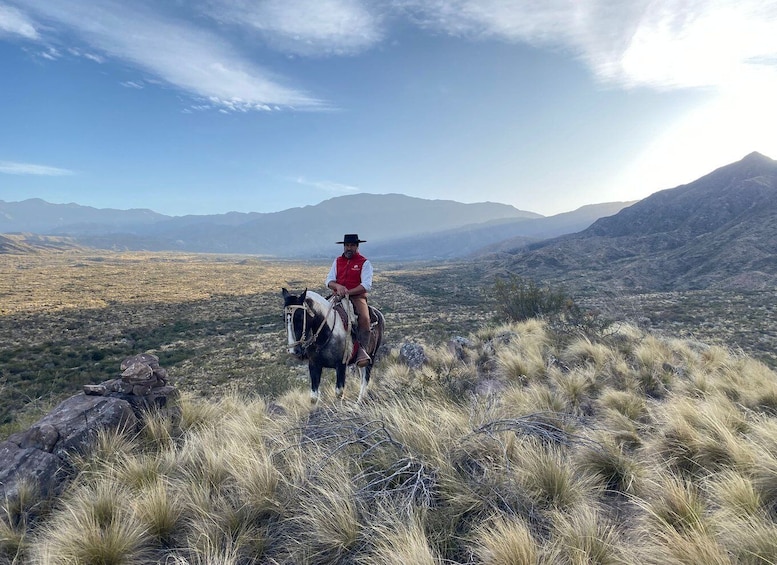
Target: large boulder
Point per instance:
(40, 455)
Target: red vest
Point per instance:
(349, 271)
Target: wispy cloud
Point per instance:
(326, 186)
(193, 46)
(181, 54)
(306, 27)
(15, 22)
(132, 84)
(12, 168)
(660, 43)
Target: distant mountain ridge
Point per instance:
(387, 221)
(719, 231)
(38, 216)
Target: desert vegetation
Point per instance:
(520, 439)
(513, 444)
(215, 322)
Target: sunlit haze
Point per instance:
(210, 106)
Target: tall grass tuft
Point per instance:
(505, 541)
(584, 537)
(752, 541)
(159, 509)
(549, 477)
(519, 366)
(698, 437)
(628, 403)
(583, 351)
(18, 514)
(95, 526)
(674, 504)
(329, 521)
(735, 494)
(606, 460)
(399, 539)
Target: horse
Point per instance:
(318, 330)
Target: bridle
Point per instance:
(304, 342)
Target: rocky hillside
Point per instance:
(31, 243)
(719, 231)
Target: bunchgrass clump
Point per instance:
(515, 445)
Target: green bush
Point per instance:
(520, 299)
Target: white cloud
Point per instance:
(132, 84)
(183, 55)
(327, 186)
(12, 168)
(659, 43)
(306, 27)
(14, 22)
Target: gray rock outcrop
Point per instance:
(40, 455)
(412, 354)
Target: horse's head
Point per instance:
(298, 316)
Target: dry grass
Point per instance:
(617, 447)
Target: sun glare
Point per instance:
(740, 119)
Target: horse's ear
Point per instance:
(302, 296)
(284, 292)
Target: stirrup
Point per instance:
(362, 358)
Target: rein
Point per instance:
(302, 341)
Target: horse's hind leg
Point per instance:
(365, 373)
(340, 382)
(315, 381)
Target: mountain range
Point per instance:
(718, 232)
(396, 226)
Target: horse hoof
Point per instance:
(339, 393)
(313, 397)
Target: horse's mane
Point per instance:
(318, 299)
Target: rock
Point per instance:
(76, 421)
(96, 390)
(42, 436)
(155, 399)
(457, 345)
(137, 373)
(17, 465)
(412, 354)
(41, 454)
(141, 359)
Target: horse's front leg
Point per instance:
(365, 373)
(315, 380)
(340, 382)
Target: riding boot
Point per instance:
(362, 357)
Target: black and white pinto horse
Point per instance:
(318, 332)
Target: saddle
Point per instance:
(348, 317)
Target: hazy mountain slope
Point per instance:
(311, 230)
(558, 225)
(487, 237)
(13, 245)
(716, 232)
(32, 243)
(38, 216)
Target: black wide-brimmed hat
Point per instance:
(352, 238)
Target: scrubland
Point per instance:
(531, 442)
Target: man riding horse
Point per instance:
(351, 276)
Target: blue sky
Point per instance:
(209, 106)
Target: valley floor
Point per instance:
(67, 319)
